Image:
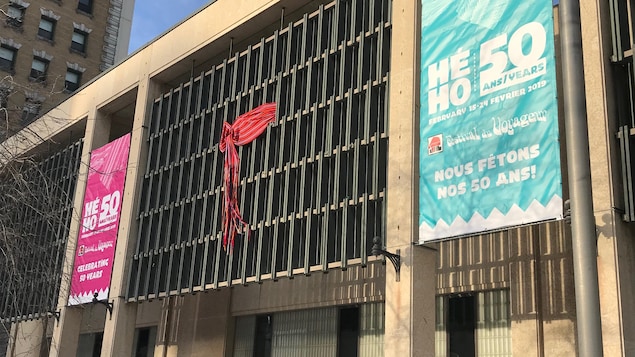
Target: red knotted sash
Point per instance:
(244, 130)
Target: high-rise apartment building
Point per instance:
(49, 48)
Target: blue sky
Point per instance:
(152, 17)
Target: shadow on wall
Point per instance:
(534, 262)
(352, 286)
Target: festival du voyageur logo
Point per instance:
(435, 144)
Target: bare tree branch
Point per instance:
(36, 198)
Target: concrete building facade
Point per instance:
(336, 169)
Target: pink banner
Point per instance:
(100, 222)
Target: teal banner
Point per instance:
(489, 153)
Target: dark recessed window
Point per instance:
(144, 341)
(349, 332)
(78, 42)
(47, 28)
(39, 67)
(73, 78)
(264, 333)
(7, 58)
(85, 6)
(461, 325)
(30, 111)
(89, 344)
(15, 14)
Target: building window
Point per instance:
(144, 341)
(39, 67)
(475, 324)
(263, 337)
(78, 43)
(348, 332)
(89, 344)
(85, 6)
(30, 111)
(7, 58)
(342, 332)
(72, 80)
(46, 29)
(461, 325)
(15, 14)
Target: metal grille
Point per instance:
(622, 29)
(312, 186)
(313, 332)
(31, 271)
(624, 84)
(372, 330)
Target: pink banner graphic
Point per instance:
(100, 222)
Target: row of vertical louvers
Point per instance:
(312, 186)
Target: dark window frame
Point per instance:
(79, 47)
(6, 65)
(144, 341)
(13, 21)
(30, 111)
(461, 325)
(348, 331)
(92, 341)
(45, 34)
(71, 86)
(85, 6)
(36, 75)
(263, 336)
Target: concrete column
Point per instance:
(204, 324)
(615, 245)
(26, 338)
(120, 326)
(410, 313)
(66, 331)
